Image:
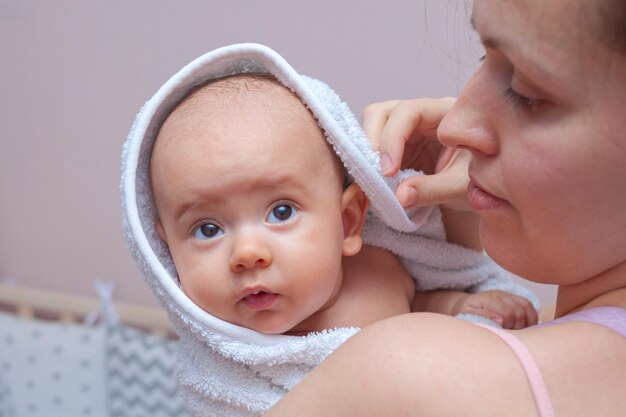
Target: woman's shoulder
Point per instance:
(583, 363)
(405, 363)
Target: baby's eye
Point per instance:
(281, 213)
(207, 231)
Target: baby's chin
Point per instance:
(273, 327)
(279, 328)
(266, 322)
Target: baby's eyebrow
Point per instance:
(220, 194)
(198, 199)
(195, 206)
(184, 208)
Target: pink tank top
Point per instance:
(613, 318)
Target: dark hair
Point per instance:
(233, 83)
(612, 23)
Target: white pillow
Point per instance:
(51, 369)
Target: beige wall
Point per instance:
(75, 72)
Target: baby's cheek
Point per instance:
(321, 248)
(198, 280)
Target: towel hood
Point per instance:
(341, 129)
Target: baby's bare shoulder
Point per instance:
(377, 271)
(375, 286)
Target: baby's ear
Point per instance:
(160, 230)
(353, 209)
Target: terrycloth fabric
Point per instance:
(224, 369)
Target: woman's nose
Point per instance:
(469, 124)
(250, 252)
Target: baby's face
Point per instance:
(249, 205)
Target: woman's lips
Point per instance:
(259, 300)
(480, 199)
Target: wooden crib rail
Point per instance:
(28, 302)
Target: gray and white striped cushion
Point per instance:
(139, 375)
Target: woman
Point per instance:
(543, 120)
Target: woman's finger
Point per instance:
(410, 121)
(374, 119)
(447, 188)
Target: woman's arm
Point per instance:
(434, 365)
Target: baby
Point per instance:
(261, 225)
(254, 237)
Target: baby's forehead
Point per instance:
(231, 100)
(217, 102)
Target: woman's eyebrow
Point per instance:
(488, 41)
(521, 57)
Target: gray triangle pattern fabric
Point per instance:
(140, 374)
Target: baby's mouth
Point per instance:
(259, 299)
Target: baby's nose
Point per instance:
(249, 253)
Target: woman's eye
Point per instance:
(207, 231)
(518, 100)
(281, 213)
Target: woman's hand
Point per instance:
(405, 133)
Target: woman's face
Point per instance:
(545, 119)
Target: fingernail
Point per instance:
(499, 320)
(407, 196)
(385, 164)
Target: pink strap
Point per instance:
(537, 385)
